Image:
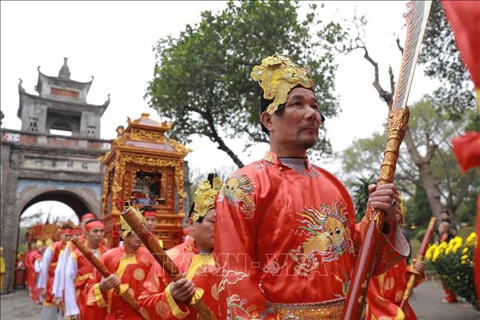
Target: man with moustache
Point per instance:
(286, 226)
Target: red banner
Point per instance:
(464, 18)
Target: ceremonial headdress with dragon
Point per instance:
(204, 199)
(277, 76)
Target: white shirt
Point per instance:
(46, 260)
(59, 278)
(71, 271)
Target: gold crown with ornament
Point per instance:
(205, 197)
(278, 75)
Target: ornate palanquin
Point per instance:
(143, 167)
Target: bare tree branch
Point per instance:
(392, 80)
(384, 95)
(399, 46)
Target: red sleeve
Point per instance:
(391, 249)
(239, 290)
(95, 297)
(156, 300)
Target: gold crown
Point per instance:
(277, 76)
(124, 226)
(205, 197)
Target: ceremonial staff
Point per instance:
(151, 243)
(420, 257)
(104, 272)
(398, 116)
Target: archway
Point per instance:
(39, 213)
(52, 207)
(72, 200)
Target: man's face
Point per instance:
(65, 237)
(294, 129)
(204, 232)
(151, 223)
(95, 236)
(132, 241)
(444, 216)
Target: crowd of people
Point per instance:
(276, 240)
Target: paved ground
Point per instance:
(428, 305)
(426, 301)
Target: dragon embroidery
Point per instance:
(328, 236)
(239, 190)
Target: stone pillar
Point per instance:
(9, 225)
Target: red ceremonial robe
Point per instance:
(56, 248)
(30, 259)
(156, 300)
(84, 271)
(385, 293)
(285, 241)
(132, 270)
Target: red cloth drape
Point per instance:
(464, 18)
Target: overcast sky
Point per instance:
(113, 42)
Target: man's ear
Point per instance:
(266, 120)
(190, 223)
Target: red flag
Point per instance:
(464, 18)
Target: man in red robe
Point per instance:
(78, 270)
(150, 215)
(129, 264)
(285, 236)
(45, 281)
(34, 254)
(59, 276)
(162, 298)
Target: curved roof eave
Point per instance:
(86, 84)
(101, 106)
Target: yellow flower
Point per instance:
(456, 240)
(472, 239)
(430, 252)
(472, 236)
(465, 257)
(465, 250)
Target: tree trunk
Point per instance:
(429, 183)
(215, 137)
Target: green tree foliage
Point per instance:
(360, 196)
(431, 132)
(202, 78)
(442, 61)
(420, 213)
